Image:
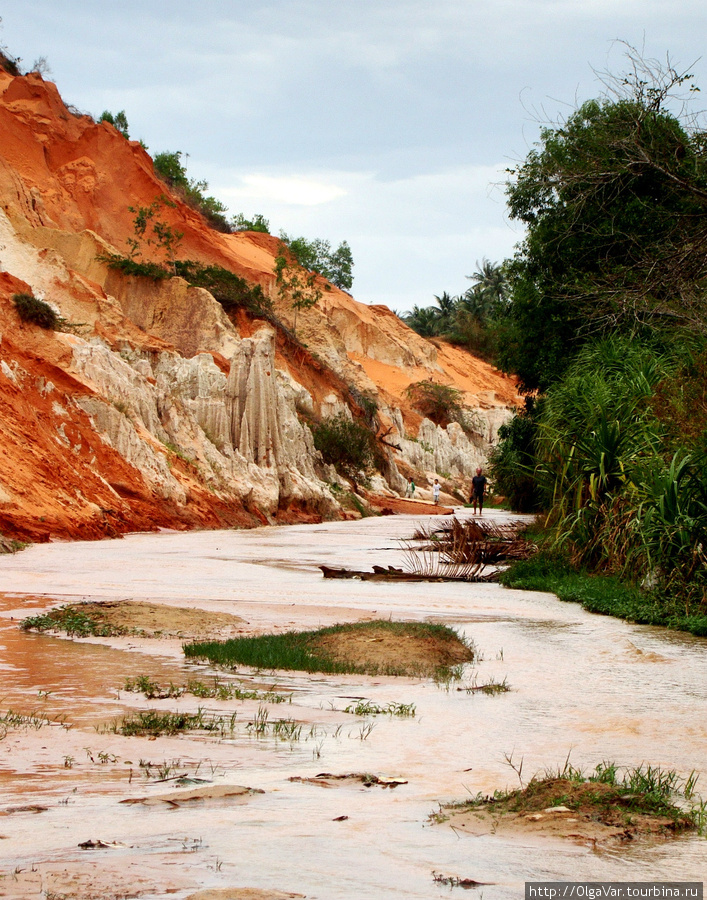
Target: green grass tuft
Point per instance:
(298, 650)
(620, 795)
(72, 621)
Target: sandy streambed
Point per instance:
(243, 806)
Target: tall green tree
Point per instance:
(446, 307)
(614, 201)
(488, 292)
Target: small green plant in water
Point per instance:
(368, 708)
(71, 620)
(152, 722)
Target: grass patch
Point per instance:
(604, 594)
(72, 621)
(369, 708)
(154, 723)
(342, 649)
(219, 690)
(647, 798)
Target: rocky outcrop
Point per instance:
(239, 430)
(152, 406)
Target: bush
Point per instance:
(119, 121)
(9, 64)
(346, 445)
(169, 167)
(317, 256)
(230, 290)
(512, 462)
(129, 266)
(257, 223)
(35, 311)
(438, 402)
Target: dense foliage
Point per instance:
(347, 445)
(317, 256)
(512, 460)
(624, 499)
(614, 202)
(607, 319)
(32, 309)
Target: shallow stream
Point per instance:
(582, 685)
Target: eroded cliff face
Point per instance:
(152, 407)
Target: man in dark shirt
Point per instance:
(478, 486)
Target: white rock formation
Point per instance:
(448, 452)
(241, 431)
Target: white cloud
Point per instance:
(288, 190)
(411, 237)
(382, 122)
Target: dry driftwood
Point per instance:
(390, 573)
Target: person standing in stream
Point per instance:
(478, 486)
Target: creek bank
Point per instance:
(606, 595)
(585, 810)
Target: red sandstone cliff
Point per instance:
(160, 410)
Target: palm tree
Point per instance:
(488, 292)
(445, 314)
(424, 321)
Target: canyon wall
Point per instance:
(150, 406)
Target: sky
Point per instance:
(386, 123)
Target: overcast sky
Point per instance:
(386, 123)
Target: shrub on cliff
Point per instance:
(119, 121)
(317, 256)
(257, 223)
(438, 402)
(169, 167)
(346, 445)
(36, 311)
(231, 291)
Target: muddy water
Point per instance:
(592, 687)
